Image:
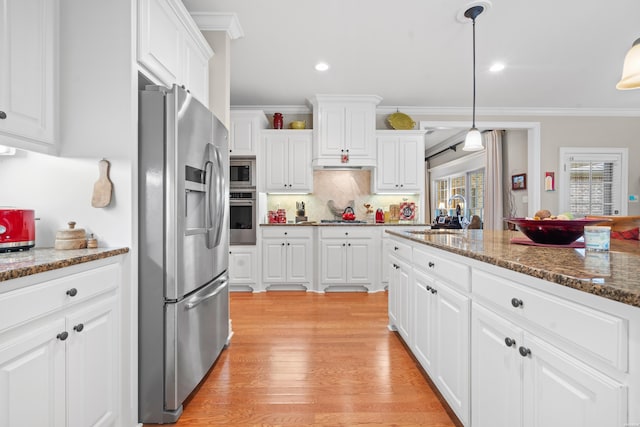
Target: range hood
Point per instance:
(354, 164)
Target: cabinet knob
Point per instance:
(342, 151)
(428, 287)
(396, 185)
(524, 352)
(79, 327)
(510, 342)
(72, 292)
(288, 244)
(285, 233)
(344, 244)
(434, 291)
(516, 302)
(432, 264)
(395, 248)
(346, 233)
(3, 115)
(347, 150)
(63, 335)
(282, 243)
(348, 244)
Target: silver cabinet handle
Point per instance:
(199, 300)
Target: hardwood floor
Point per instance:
(305, 359)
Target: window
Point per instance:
(470, 185)
(593, 181)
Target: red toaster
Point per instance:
(17, 229)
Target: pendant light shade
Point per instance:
(631, 70)
(473, 140)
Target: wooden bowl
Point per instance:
(618, 223)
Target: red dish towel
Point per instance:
(527, 241)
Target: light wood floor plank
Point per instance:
(305, 359)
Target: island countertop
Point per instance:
(38, 260)
(614, 275)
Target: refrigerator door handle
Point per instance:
(216, 177)
(198, 300)
(208, 221)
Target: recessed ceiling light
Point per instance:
(322, 66)
(497, 67)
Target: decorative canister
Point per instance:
(278, 121)
(282, 216)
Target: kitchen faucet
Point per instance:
(461, 218)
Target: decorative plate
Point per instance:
(400, 121)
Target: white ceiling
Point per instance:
(559, 55)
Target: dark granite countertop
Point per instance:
(614, 275)
(38, 260)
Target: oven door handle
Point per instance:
(241, 202)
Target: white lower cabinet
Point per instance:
(287, 256)
(61, 366)
(347, 257)
(441, 338)
(520, 379)
(243, 267)
(400, 276)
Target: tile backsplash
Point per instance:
(337, 190)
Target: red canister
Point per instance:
(282, 216)
(379, 216)
(278, 121)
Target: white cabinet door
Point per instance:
(333, 261)
(560, 391)
(400, 164)
(404, 315)
(496, 369)
(28, 74)
(92, 365)
(424, 326)
(244, 135)
(300, 170)
(276, 162)
(298, 260)
(359, 261)
(287, 161)
(242, 265)
(393, 292)
(196, 70)
(273, 261)
(332, 131)
(452, 348)
(410, 160)
(387, 170)
(159, 40)
(32, 377)
(359, 130)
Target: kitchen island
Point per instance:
(515, 334)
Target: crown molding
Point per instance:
(215, 21)
(514, 111)
(464, 111)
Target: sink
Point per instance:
(440, 231)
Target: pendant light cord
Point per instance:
(474, 73)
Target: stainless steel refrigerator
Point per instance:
(184, 248)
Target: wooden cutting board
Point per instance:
(103, 187)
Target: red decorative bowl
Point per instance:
(553, 231)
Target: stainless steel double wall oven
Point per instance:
(242, 202)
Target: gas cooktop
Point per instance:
(342, 221)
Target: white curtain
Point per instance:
(493, 216)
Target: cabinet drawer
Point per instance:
(22, 305)
(447, 270)
(402, 250)
(599, 334)
(282, 232)
(342, 232)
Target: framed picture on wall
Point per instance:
(519, 182)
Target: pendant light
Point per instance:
(631, 69)
(473, 140)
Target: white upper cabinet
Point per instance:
(245, 131)
(400, 165)
(287, 161)
(29, 74)
(344, 130)
(171, 49)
